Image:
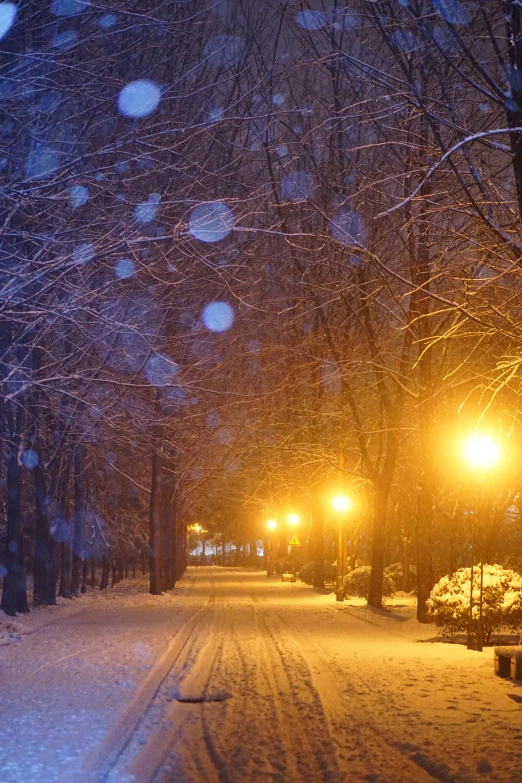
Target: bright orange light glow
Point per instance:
(481, 451)
(341, 503)
(197, 528)
(293, 519)
(271, 524)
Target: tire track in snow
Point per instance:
(184, 721)
(398, 760)
(96, 766)
(319, 762)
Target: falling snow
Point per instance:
(139, 99)
(211, 221)
(218, 316)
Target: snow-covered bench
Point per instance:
(508, 662)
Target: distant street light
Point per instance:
(481, 452)
(271, 525)
(293, 519)
(341, 504)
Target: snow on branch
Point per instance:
(447, 154)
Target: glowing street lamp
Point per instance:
(481, 452)
(271, 525)
(341, 504)
(292, 519)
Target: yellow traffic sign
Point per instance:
(295, 541)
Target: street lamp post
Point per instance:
(481, 452)
(271, 525)
(341, 505)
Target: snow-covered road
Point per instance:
(236, 677)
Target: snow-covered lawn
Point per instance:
(292, 687)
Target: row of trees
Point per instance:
(251, 253)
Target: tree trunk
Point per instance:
(282, 545)
(182, 549)
(104, 581)
(405, 557)
(54, 492)
(514, 106)
(318, 540)
(42, 545)
(424, 564)
(85, 571)
(167, 533)
(66, 532)
(155, 517)
(65, 570)
(78, 543)
(114, 579)
(378, 547)
(14, 595)
(170, 537)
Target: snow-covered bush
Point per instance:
(396, 573)
(357, 582)
(306, 574)
(448, 604)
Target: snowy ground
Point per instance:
(236, 677)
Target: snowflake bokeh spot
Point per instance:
(7, 17)
(218, 316)
(139, 98)
(66, 8)
(211, 221)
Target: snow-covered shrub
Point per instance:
(283, 565)
(306, 574)
(396, 573)
(448, 604)
(357, 582)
